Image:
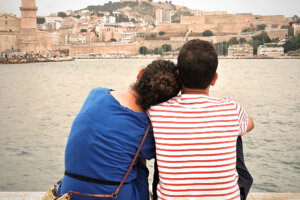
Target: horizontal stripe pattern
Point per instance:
(195, 138)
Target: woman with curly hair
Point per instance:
(107, 132)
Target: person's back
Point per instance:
(196, 135)
(107, 132)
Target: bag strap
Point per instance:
(115, 194)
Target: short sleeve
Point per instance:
(148, 149)
(243, 119)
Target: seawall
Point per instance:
(252, 196)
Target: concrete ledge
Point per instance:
(274, 196)
(252, 196)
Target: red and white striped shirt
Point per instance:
(195, 138)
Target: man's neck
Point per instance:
(185, 90)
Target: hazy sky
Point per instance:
(261, 7)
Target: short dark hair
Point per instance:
(197, 64)
(158, 83)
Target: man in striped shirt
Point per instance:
(196, 135)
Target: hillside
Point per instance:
(143, 11)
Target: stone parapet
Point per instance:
(252, 196)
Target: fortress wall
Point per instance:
(152, 44)
(35, 41)
(167, 27)
(7, 41)
(277, 33)
(105, 49)
(230, 23)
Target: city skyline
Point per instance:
(287, 8)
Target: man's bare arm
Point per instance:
(250, 124)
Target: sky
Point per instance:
(288, 8)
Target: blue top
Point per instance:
(102, 143)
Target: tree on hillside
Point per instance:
(83, 30)
(207, 33)
(242, 41)
(233, 41)
(292, 44)
(40, 20)
(259, 40)
(261, 27)
(62, 14)
(144, 50)
(158, 51)
(166, 47)
(122, 18)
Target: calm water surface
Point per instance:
(38, 103)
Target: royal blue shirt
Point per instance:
(102, 143)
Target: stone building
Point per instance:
(244, 50)
(26, 36)
(9, 23)
(163, 16)
(296, 29)
(270, 51)
(29, 38)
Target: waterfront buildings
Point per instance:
(270, 50)
(243, 50)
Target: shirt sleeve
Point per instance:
(148, 149)
(243, 119)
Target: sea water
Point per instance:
(39, 101)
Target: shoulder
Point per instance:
(168, 103)
(99, 90)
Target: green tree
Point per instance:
(40, 20)
(162, 33)
(62, 14)
(83, 30)
(233, 41)
(158, 51)
(261, 27)
(113, 40)
(153, 35)
(207, 33)
(292, 44)
(221, 48)
(166, 47)
(122, 18)
(242, 41)
(144, 50)
(259, 40)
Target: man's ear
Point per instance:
(140, 73)
(214, 79)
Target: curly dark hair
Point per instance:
(158, 83)
(197, 64)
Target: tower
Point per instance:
(28, 15)
(29, 38)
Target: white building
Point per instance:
(112, 20)
(126, 39)
(163, 16)
(244, 50)
(270, 51)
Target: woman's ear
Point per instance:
(214, 79)
(140, 73)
